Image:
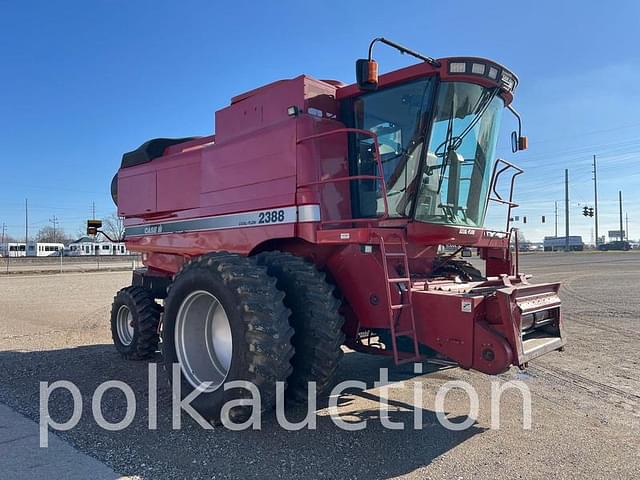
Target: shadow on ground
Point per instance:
(193, 452)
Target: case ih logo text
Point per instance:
(153, 229)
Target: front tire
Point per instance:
(224, 320)
(134, 323)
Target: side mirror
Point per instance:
(518, 142)
(367, 74)
(466, 252)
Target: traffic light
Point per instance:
(543, 218)
(585, 211)
(524, 219)
(591, 211)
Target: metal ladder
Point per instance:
(399, 357)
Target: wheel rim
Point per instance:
(203, 340)
(124, 323)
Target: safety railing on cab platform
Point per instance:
(349, 178)
(510, 233)
(494, 196)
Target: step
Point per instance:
(414, 358)
(399, 280)
(394, 254)
(399, 306)
(406, 333)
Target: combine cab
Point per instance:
(316, 217)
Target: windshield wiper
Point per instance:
(483, 104)
(447, 147)
(452, 143)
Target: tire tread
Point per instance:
(315, 318)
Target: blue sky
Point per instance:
(82, 82)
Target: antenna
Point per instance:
(403, 50)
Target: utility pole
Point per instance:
(26, 225)
(55, 222)
(93, 210)
(566, 209)
(4, 229)
(595, 195)
(626, 217)
(620, 199)
(556, 203)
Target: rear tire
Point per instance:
(249, 339)
(315, 319)
(134, 323)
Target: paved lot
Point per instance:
(586, 400)
(22, 460)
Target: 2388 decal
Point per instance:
(274, 216)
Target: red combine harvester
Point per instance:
(315, 217)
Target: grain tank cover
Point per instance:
(149, 150)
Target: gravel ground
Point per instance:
(586, 400)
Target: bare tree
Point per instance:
(81, 230)
(4, 241)
(7, 239)
(51, 235)
(113, 225)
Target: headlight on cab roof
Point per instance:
(474, 66)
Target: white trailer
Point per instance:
(81, 248)
(553, 244)
(89, 248)
(111, 248)
(44, 249)
(13, 249)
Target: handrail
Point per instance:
(495, 175)
(517, 249)
(379, 178)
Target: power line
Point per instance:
(584, 149)
(588, 133)
(610, 160)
